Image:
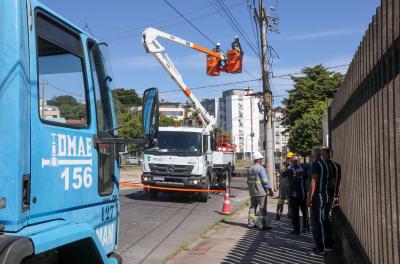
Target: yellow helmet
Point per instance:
(289, 154)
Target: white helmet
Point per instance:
(257, 155)
(218, 44)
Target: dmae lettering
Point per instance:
(72, 146)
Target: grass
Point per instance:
(214, 225)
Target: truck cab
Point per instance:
(59, 191)
(182, 159)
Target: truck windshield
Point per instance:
(173, 141)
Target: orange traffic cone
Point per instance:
(226, 209)
(145, 190)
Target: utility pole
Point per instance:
(43, 98)
(262, 18)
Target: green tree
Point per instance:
(305, 104)
(126, 98)
(166, 121)
(132, 125)
(69, 107)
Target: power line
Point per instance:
(190, 23)
(231, 22)
(297, 73)
(122, 34)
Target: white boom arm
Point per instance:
(151, 44)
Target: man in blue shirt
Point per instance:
(317, 199)
(257, 180)
(334, 179)
(297, 195)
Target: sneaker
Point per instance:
(316, 252)
(328, 249)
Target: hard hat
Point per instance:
(257, 155)
(218, 44)
(236, 37)
(289, 154)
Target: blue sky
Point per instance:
(311, 32)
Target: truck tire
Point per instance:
(115, 256)
(153, 194)
(204, 195)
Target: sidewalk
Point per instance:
(233, 242)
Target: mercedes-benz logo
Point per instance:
(170, 169)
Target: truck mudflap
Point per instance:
(14, 249)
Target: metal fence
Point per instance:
(365, 137)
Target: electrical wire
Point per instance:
(298, 73)
(231, 23)
(163, 23)
(188, 21)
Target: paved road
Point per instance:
(152, 230)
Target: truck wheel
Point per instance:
(204, 195)
(153, 194)
(116, 257)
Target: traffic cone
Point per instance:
(226, 209)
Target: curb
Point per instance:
(211, 229)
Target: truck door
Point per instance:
(63, 158)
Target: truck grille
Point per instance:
(170, 170)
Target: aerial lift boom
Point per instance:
(153, 46)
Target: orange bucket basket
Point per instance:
(213, 66)
(234, 61)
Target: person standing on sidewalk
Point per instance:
(317, 199)
(297, 195)
(283, 187)
(334, 180)
(257, 180)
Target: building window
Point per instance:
(61, 75)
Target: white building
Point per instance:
(169, 109)
(237, 113)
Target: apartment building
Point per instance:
(237, 113)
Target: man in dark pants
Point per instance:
(257, 181)
(284, 188)
(297, 195)
(317, 199)
(335, 176)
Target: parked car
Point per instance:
(134, 161)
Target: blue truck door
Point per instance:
(107, 153)
(63, 158)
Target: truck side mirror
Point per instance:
(150, 116)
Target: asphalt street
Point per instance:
(151, 230)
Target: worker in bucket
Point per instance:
(257, 180)
(218, 50)
(236, 44)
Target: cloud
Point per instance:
(322, 34)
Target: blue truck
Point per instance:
(59, 171)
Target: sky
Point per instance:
(310, 32)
